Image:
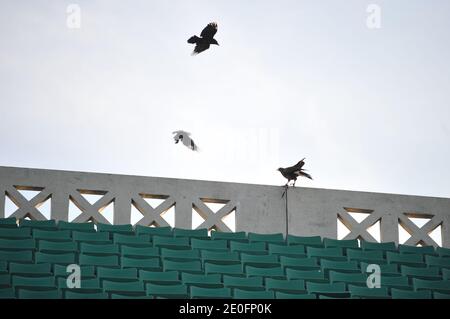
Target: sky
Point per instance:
(367, 107)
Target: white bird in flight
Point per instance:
(184, 137)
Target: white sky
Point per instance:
(369, 109)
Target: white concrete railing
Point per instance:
(257, 208)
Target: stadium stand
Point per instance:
(122, 261)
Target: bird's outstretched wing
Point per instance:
(209, 31)
(296, 168)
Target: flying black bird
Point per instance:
(184, 137)
(206, 38)
(291, 173)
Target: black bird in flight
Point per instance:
(206, 38)
(291, 173)
(184, 137)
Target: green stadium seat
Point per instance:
(210, 293)
(147, 263)
(99, 249)
(46, 246)
(131, 251)
(131, 240)
(348, 278)
(369, 256)
(252, 294)
(126, 229)
(342, 296)
(389, 246)
(306, 275)
(15, 233)
(333, 253)
(232, 269)
(385, 269)
(177, 291)
(153, 231)
(446, 274)
(159, 277)
(255, 248)
(19, 256)
(399, 282)
(74, 294)
(442, 262)
(259, 260)
(247, 283)
(368, 293)
(443, 252)
(33, 282)
(86, 271)
(272, 272)
(190, 233)
(91, 237)
(349, 243)
(17, 244)
(421, 272)
(304, 263)
(122, 296)
(28, 269)
(236, 236)
(404, 259)
(434, 285)
(287, 251)
(180, 255)
(5, 280)
(193, 266)
(219, 245)
(91, 285)
(86, 227)
(223, 258)
(38, 224)
(107, 260)
(7, 293)
(327, 289)
(408, 294)
(310, 241)
(342, 266)
(132, 288)
(171, 242)
(39, 294)
(201, 280)
(10, 222)
(283, 285)
(267, 238)
(436, 295)
(284, 295)
(53, 235)
(55, 258)
(115, 274)
(3, 267)
(421, 250)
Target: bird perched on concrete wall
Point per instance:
(206, 38)
(184, 137)
(291, 173)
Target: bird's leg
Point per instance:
(293, 185)
(285, 190)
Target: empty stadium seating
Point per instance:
(122, 261)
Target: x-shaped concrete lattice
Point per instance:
(420, 234)
(213, 220)
(152, 215)
(91, 211)
(27, 208)
(359, 230)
